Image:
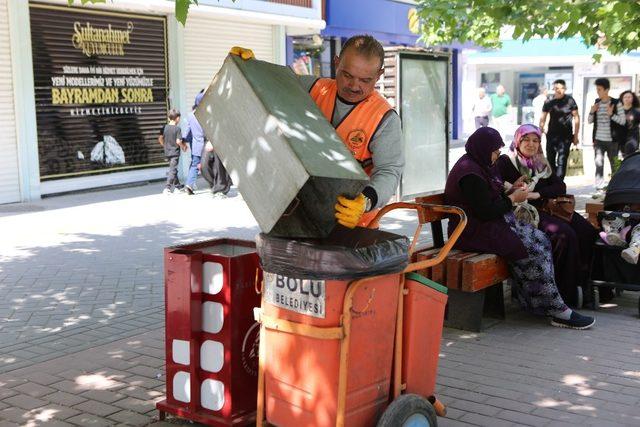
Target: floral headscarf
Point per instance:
(536, 166)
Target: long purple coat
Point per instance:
(492, 236)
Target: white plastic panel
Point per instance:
(212, 395)
(424, 105)
(180, 350)
(212, 317)
(211, 356)
(212, 278)
(182, 387)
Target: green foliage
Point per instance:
(609, 24)
(182, 7)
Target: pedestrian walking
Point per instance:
(500, 102)
(538, 103)
(481, 109)
(215, 173)
(194, 131)
(564, 127)
(631, 107)
(171, 140)
(607, 121)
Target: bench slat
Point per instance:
(454, 268)
(439, 272)
(424, 255)
(482, 271)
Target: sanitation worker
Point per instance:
(364, 120)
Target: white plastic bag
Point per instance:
(108, 152)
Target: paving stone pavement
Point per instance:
(81, 323)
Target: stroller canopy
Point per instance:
(624, 187)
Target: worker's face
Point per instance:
(559, 90)
(602, 92)
(529, 145)
(356, 75)
(495, 155)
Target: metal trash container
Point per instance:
(285, 157)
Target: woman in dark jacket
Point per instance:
(572, 242)
(493, 228)
(631, 105)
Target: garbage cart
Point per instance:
(341, 351)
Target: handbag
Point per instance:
(575, 162)
(561, 207)
(526, 213)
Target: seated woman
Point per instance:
(571, 242)
(492, 227)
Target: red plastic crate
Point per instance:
(211, 337)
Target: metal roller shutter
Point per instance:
(9, 175)
(207, 42)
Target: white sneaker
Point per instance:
(632, 253)
(220, 196)
(166, 192)
(613, 239)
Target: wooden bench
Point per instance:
(474, 279)
(592, 209)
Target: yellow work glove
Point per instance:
(349, 212)
(242, 52)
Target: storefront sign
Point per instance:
(101, 89)
(300, 295)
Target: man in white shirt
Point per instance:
(482, 109)
(538, 103)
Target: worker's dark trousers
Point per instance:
(214, 172)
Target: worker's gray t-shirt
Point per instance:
(386, 147)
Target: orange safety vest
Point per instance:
(357, 127)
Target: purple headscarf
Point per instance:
(480, 145)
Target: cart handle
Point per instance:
(425, 211)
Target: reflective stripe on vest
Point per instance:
(357, 128)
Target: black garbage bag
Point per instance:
(344, 255)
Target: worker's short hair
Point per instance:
(604, 83)
(174, 114)
(364, 45)
(560, 82)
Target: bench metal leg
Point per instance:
(494, 302)
(465, 310)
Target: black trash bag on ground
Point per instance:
(344, 255)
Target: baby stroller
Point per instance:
(608, 268)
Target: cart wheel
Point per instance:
(409, 410)
(580, 297)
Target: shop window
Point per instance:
(313, 55)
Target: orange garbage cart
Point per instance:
(370, 358)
